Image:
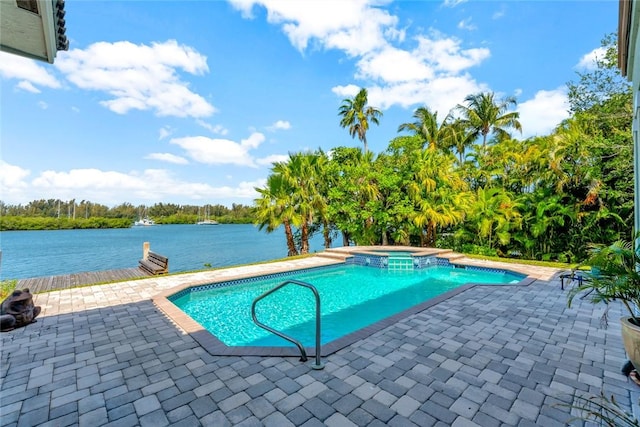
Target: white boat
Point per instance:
(206, 220)
(144, 222)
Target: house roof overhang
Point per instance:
(624, 32)
(36, 34)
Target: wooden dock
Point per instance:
(66, 281)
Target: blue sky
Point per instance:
(190, 102)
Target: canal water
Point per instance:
(189, 247)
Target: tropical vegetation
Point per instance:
(466, 182)
(614, 276)
(55, 214)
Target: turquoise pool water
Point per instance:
(352, 297)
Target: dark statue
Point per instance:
(17, 310)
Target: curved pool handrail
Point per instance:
(303, 353)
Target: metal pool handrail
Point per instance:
(303, 358)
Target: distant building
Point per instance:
(629, 64)
(33, 28)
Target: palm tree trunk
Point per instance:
(432, 232)
(291, 245)
(304, 231)
(326, 232)
(385, 238)
(345, 238)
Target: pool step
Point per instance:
(334, 255)
(450, 255)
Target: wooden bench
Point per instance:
(154, 264)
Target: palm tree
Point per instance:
(426, 126)
(275, 207)
(321, 200)
(439, 193)
(459, 139)
(302, 175)
(356, 115)
(494, 214)
(483, 115)
(551, 217)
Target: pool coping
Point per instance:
(215, 347)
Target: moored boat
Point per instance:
(144, 222)
(207, 222)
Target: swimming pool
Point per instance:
(352, 297)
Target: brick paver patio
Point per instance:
(490, 356)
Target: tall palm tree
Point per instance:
(483, 114)
(426, 126)
(356, 115)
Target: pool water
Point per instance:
(352, 297)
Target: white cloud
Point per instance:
(453, 3)
(168, 157)
(217, 129)
(254, 140)
(441, 94)
(85, 178)
(589, 60)
(113, 187)
(540, 115)
(446, 55)
(432, 74)
(28, 71)
(355, 27)
(28, 86)
(12, 180)
(498, 14)
(43, 105)
(279, 125)
(269, 160)
(220, 151)
(165, 132)
(348, 91)
(361, 29)
(393, 65)
(139, 76)
(466, 24)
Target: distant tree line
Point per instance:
(463, 182)
(53, 214)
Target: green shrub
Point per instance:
(6, 287)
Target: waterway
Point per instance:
(189, 247)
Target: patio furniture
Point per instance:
(574, 276)
(578, 277)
